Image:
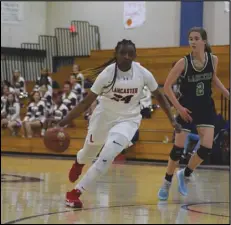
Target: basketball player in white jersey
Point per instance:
(115, 119)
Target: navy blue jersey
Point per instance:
(195, 87)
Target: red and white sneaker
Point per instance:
(75, 171)
(72, 199)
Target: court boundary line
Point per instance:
(186, 207)
(116, 206)
(24, 179)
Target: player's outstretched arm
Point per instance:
(79, 109)
(173, 75)
(159, 96)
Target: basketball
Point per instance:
(56, 140)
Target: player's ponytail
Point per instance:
(92, 73)
(208, 48)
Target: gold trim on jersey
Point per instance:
(212, 61)
(205, 125)
(186, 130)
(185, 66)
(206, 62)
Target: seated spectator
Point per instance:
(46, 97)
(35, 116)
(69, 98)
(80, 80)
(55, 87)
(85, 83)
(75, 70)
(146, 103)
(11, 115)
(19, 85)
(4, 93)
(76, 88)
(8, 84)
(43, 81)
(60, 110)
(44, 73)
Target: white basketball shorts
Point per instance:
(102, 122)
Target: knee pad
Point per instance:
(204, 152)
(114, 145)
(176, 153)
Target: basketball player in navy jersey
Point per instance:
(198, 71)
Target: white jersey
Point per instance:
(124, 98)
(36, 111)
(11, 90)
(70, 100)
(3, 103)
(49, 80)
(49, 88)
(13, 112)
(20, 85)
(81, 77)
(60, 111)
(77, 89)
(47, 98)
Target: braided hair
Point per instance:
(92, 73)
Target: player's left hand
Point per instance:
(176, 126)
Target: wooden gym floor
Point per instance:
(33, 191)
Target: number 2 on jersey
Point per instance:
(200, 89)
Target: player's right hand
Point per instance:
(185, 114)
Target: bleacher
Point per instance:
(157, 60)
(152, 131)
